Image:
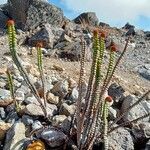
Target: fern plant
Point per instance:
(107, 103)
(13, 50)
(11, 88)
(92, 118)
(39, 46)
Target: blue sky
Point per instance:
(114, 12)
(68, 12)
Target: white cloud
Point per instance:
(3, 1)
(112, 11)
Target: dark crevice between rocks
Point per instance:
(70, 57)
(140, 145)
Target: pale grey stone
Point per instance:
(15, 137)
(120, 139)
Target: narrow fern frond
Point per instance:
(40, 67)
(115, 67)
(105, 115)
(91, 128)
(108, 74)
(10, 83)
(88, 99)
(12, 46)
(110, 67)
(102, 45)
(96, 46)
(79, 101)
(103, 90)
(11, 88)
(39, 57)
(108, 101)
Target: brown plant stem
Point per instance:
(128, 109)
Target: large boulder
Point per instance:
(17, 9)
(43, 12)
(69, 50)
(44, 35)
(138, 111)
(3, 19)
(141, 131)
(128, 26)
(147, 35)
(116, 92)
(88, 17)
(29, 14)
(120, 139)
(72, 50)
(144, 71)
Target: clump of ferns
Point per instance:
(92, 118)
(13, 50)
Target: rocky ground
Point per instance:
(61, 57)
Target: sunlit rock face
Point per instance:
(28, 14)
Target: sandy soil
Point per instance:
(127, 78)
